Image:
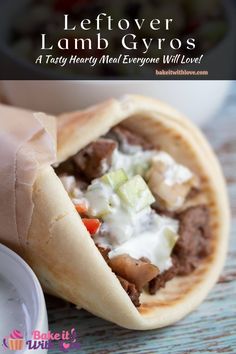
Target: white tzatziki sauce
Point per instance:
(148, 239)
(13, 312)
(135, 163)
(124, 230)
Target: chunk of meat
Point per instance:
(161, 279)
(131, 291)
(65, 168)
(125, 136)
(194, 241)
(192, 246)
(165, 183)
(95, 159)
(128, 287)
(135, 271)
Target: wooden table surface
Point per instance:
(212, 327)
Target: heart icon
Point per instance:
(66, 345)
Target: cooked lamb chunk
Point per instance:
(131, 291)
(193, 243)
(135, 271)
(96, 158)
(125, 136)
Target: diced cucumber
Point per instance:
(135, 193)
(115, 178)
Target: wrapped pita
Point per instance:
(56, 241)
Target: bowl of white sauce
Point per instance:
(22, 304)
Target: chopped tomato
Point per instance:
(92, 225)
(81, 208)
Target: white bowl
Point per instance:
(22, 304)
(199, 100)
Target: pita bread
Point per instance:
(61, 251)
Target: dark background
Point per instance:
(211, 22)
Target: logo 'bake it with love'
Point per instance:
(65, 340)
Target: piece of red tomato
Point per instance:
(92, 225)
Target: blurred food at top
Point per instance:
(204, 20)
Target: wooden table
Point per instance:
(212, 327)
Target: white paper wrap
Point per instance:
(27, 144)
